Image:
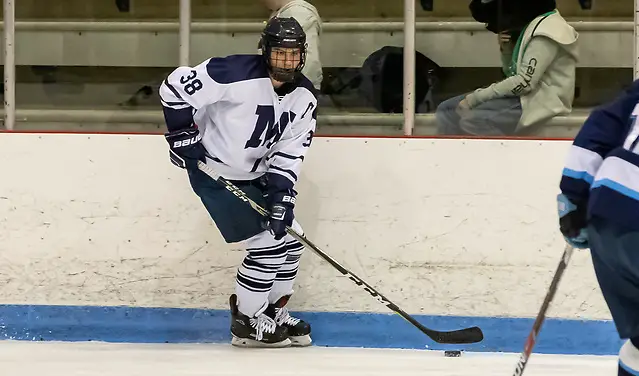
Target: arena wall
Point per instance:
(101, 238)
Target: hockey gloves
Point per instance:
(186, 148)
(280, 206)
(573, 222)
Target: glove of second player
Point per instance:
(280, 206)
(573, 222)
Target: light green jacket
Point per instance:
(544, 77)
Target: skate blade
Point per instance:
(251, 343)
(301, 341)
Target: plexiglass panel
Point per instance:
(91, 64)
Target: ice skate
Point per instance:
(259, 331)
(299, 331)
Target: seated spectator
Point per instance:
(539, 58)
(309, 18)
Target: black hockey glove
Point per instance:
(280, 205)
(573, 221)
(186, 147)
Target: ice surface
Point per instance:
(109, 359)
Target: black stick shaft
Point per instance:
(541, 316)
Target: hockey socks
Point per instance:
(629, 358)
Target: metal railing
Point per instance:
(9, 65)
(409, 27)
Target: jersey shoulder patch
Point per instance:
(236, 68)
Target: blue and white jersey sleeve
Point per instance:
(287, 155)
(604, 130)
(186, 90)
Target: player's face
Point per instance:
(285, 58)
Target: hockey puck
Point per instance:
(452, 353)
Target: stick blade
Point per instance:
(468, 335)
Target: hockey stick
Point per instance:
(467, 335)
(541, 316)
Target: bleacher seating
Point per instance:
(104, 55)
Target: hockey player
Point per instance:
(599, 209)
(252, 119)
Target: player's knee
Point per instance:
(294, 247)
(294, 250)
(264, 250)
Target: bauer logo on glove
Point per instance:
(186, 148)
(193, 140)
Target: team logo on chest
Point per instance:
(267, 131)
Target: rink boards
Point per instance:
(102, 238)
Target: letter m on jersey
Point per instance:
(267, 127)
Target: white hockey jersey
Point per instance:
(248, 127)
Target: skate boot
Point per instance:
(299, 331)
(259, 331)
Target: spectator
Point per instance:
(309, 18)
(539, 58)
